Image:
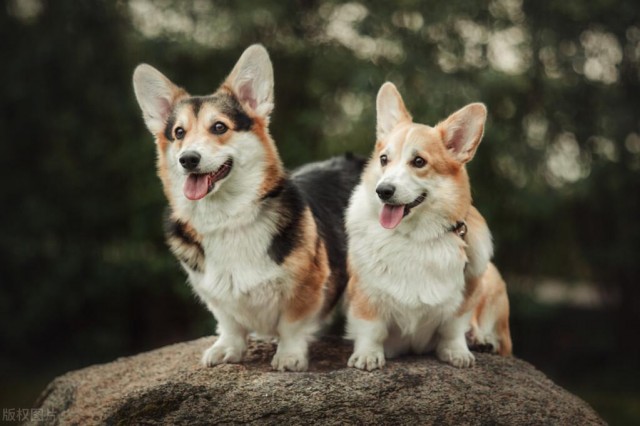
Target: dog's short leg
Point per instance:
(293, 344)
(369, 337)
(452, 347)
(231, 344)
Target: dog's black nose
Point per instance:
(190, 160)
(385, 191)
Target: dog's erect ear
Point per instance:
(390, 110)
(251, 80)
(156, 95)
(462, 131)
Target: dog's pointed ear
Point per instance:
(390, 110)
(251, 80)
(462, 131)
(156, 95)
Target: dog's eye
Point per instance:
(219, 128)
(419, 162)
(383, 160)
(179, 132)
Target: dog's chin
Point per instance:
(198, 185)
(393, 213)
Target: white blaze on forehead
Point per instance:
(410, 147)
(209, 116)
(395, 140)
(418, 138)
(210, 113)
(396, 171)
(184, 117)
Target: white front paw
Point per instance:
(367, 360)
(290, 362)
(458, 357)
(221, 353)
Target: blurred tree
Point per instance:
(85, 271)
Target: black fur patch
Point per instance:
(168, 130)
(183, 244)
(196, 103)
(230, 106)
(275, 191)
(326, 187)
(226, 103)
(291, 206)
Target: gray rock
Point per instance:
(169, 386)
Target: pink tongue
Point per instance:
(390, 216)
(196, 186)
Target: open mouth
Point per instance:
(198, 185)
(392, 214)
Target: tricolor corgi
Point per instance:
(265, 251)
(419, 252)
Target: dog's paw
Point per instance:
(367, 360)
(222, 354)
(290, 362)
(461, 358)
(480, 342)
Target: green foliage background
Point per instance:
(84, 272)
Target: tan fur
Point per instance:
(186, 245)
(359, 303)
(475, 224)
(311, 265)
(471, 296)
(274, 169)
(491, 294)
(163, 170)
(162, 144)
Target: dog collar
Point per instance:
(460, 229)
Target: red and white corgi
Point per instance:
(419, 252)
(265, 251)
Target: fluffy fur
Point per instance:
(417, 278)
(264, 251)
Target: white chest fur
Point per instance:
(239, 278)
(410, 278)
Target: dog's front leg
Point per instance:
(293, 344)
(452, 347)
(369, 336)
(231, 344)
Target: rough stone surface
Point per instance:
(169, 386)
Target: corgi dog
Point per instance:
(418, 251)
(265, 251)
